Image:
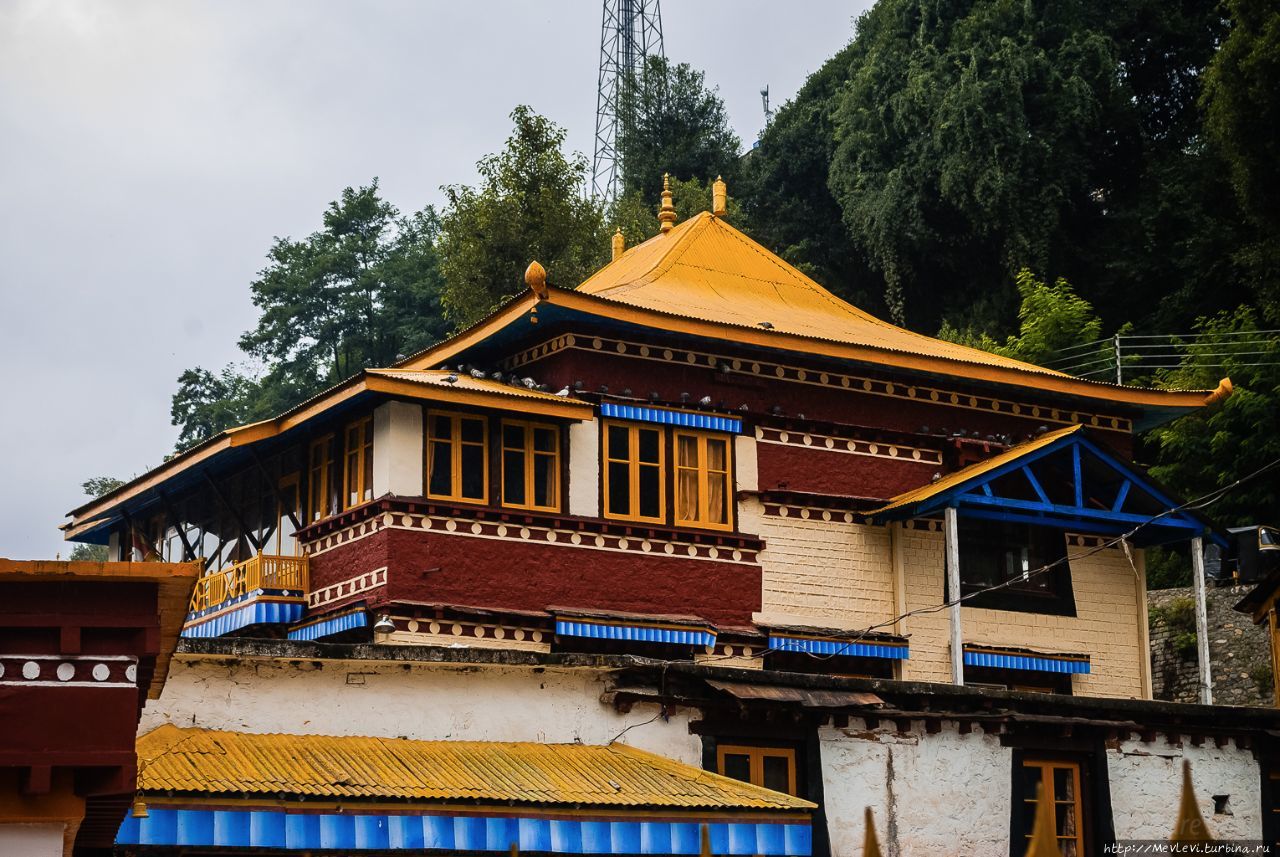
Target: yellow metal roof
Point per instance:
(706, 269)
(951, 480)
(215, 762)
(467, 383)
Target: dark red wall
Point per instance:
(806, 470)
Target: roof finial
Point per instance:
(535, 277)
(719, 198)
(1190, 826)
(619, 243)
(666, 214)
(1044, 840)
(870, 842)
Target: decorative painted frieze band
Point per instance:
(829, 646)
(670, 417)
(346, 588)
(635, 632)
(68, 671)
(815, 513)
(280, 829)
(976, 657)
(329, 626)
(849, 446)
(830, 380)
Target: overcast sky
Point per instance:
(149, 152)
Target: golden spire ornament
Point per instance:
(719, 198)
(535, 277)
(1190, 826)
(619, 244)
(1044, 836)
(870, 842)
(667, 213)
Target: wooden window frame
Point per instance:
(633, 430)
(704, 479)
(364, 479)
(1048, 764)
(530, 470)
(323, 472)
(756, 756)
(455, 467)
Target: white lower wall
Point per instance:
(406, 701)
(398, 449)
(32, 840)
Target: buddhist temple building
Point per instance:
(694, 542)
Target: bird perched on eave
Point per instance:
(451, 378)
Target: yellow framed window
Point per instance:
(319, 462)
(704, 480)
(634, 473)
(769, 767)
(357, 463)
(288, 508)
(1061, 781)
(530, 466)
(457, 463)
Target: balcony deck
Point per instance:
(264, 589)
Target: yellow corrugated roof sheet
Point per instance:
(216, 762)
(436, 378)
(706, 269)
(951, 480)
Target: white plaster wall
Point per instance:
(945, 793)
(31, 840)
(746, 466)
(408, 701)
(397, 449)
(584, 469)
(1146, 786)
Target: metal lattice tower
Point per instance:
(630, 33)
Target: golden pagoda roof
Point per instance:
(212, 762)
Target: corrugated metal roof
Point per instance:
(706, 269)
(951, 480)
(215, 762)
(436, 378)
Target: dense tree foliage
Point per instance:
(675, 125)
(362, 291)
(529, 205)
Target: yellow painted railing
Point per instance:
(264, 571)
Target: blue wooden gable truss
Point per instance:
(1071, 483)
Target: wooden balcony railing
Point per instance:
(264, 571)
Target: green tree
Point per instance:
(1051, 319)
(95, 486)
(363, 291)
(675, 125)
(529, 205)
(1219, 444)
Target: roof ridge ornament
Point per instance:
(619, 244)
(535, 277)
(719, 198)
(667, 213)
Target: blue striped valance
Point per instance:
(1040, 663)
(329, 626)
(249, 613)
(635, 633)
(850, 648)
(687, 419)
(282, 830)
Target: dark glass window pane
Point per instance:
(441, 427)
(513, 436)
(544, 440)
(650, 492)
(777, 773)
(737, 766)
(650, 443)
(544, 480)
(619, 488)
(441, 478)
(618, 443)
(473, 430)
(513, 477)
(473, 472)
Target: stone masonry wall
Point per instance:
(1239, 657)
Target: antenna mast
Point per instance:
(630, 33)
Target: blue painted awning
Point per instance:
(255, 608)
(329, 626)
(667, 416)
(849, 648)
(636, 632)
(1017, 661)
(351, 829)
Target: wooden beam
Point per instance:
(274, 482)
(233, 511)
(188, 552)
(951, 543)
(1202, 621)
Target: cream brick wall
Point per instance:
(819, 572)
(1109, 595)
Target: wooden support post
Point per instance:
(1202, 621)
(951, 543)
(234, 512)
